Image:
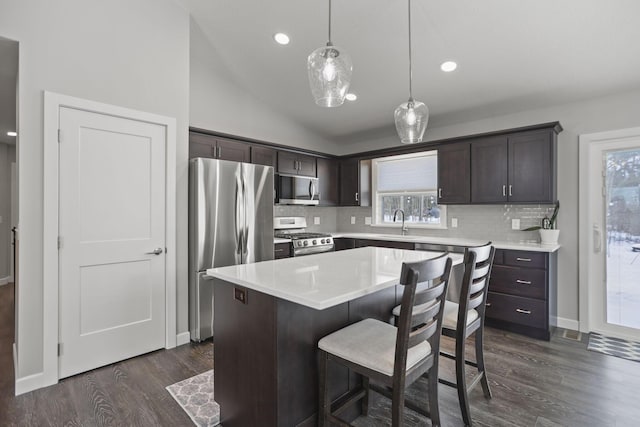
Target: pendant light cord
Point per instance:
(410, 64)
(329, 43)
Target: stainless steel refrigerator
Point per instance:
(230, 222)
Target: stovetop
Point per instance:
(300, 235)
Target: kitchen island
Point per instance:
(269, 316)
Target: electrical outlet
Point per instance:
(316, 220)
(454, 222)
(367, 220)
(515, 224)
(353, 220)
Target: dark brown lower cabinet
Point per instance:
(342, 243)
(282, 250)
(522, 292)
(361, 243)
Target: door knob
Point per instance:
(156, 251)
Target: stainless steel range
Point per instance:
(302, 242)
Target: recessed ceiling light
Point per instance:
(448, 66)
(281, 38)
(12, 133)
(351, 97)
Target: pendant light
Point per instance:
(412, 116)
(329, 69)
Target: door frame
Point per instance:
(52, 104)
(585, 231)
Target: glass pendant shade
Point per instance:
(329, 69)
(411, 121)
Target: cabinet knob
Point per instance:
(504, 191)
(356, 197)
(510, 190)
(523, 282)
(523, 259)
(519, 310)
(439, 193)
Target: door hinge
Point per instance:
(59, 136)
(60, 242)
(59, 349)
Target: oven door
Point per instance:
(297, 190)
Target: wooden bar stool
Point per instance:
(467, 318)
(390, 358)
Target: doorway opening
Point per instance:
(8, 202)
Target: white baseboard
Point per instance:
(183, 338)
(5, 280)
(561, 322)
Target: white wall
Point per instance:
(132, 53)
(217, 103)
(595, 115)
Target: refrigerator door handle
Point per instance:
(239, 217)
(245, 229)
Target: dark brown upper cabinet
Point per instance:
(264, 156)
(355, 182)
(328, 176)
(532, 167)
(296, 164)
(203, 145)
(515, 168)
(454, 173)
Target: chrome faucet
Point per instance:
(404, 227)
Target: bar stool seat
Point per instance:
(372, 344)
(450, 320)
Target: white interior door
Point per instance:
(614, 249)
(111, 220)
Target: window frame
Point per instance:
(376, 208)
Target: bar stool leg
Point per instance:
(461, 381)
(434, 408)
(480, 361)
(365, 399)
(397, 407)
(323, 392)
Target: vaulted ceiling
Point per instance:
(511, 55)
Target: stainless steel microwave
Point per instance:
(296, 190)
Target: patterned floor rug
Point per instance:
(614, 347)
(195, 396)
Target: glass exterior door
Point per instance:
(622, 217)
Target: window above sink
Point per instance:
(408, 182)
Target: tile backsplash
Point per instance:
(490, 222)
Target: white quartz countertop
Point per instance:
(450, 241)
(325, 280)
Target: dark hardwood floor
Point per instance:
(534, 383)
(128, 393)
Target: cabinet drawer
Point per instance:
(525, 259)
(282, 250)
(524, 282)
(523, 311)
